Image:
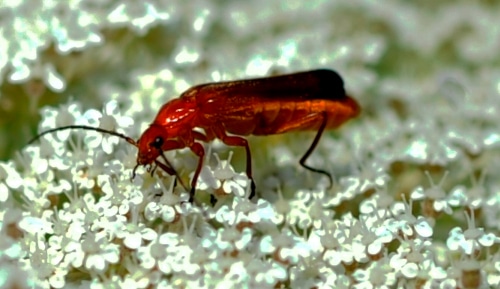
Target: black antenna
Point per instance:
(167, 168)
(84, 127)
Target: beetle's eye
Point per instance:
(157, 143)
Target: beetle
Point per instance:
(305, 101)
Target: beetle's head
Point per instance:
(151, 144)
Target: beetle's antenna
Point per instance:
(84, 127)
(167, 168)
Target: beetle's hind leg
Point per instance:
(311, 149)
(241, 142)
(309, 122)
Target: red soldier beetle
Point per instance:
(303, 101)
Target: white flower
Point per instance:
(224, 177)
(133, 233)
(377, 275)
(137, 16)
(9, 178)
(94, 252)
(410, 257)
(160, 252)
(168, 207)
(470, 240)
(243, 211)
(284, 246)
(50, 272)
(406, 223)
(265, 274)
(110, 120)
(435, 196)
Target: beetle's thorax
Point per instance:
(173, 120)
(177, 112)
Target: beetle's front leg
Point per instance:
(198, 150)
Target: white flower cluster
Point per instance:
(416, 197)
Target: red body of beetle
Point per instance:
(312, 100)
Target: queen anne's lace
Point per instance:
(427, 79)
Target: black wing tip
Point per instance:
(331, 83)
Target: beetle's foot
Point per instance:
(252, 189)
(213, 200)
